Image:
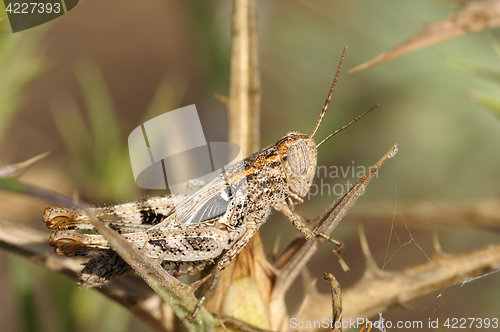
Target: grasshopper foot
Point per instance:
(196, 309)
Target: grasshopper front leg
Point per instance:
(301, 227)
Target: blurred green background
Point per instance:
(79, 85)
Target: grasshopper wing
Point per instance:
(207, 204)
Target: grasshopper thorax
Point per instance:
(298, 156)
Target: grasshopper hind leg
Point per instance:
(109, 266)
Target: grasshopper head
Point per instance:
(298, 152)
(298, 155)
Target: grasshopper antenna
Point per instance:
(348, 124)
(323, 111)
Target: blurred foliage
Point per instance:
(19, 66)
(99, 154)
(99, 151)
(490, 101)
(46, 299)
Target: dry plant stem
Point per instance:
(243, 105)
(482, 214)
(244, 83)
(474, 16)
(129, 291)
(336, 302)
(378, 291)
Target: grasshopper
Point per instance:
(216, 222)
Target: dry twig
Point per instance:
(336, 302)
(248, 278)
(474, 16)
(378, 291)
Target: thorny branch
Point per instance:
(474, 16)
(336, 301)
(378, 290)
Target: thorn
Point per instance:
(221, 322)
(342, 262)
(270, 267)
(366, 328)
(407, 306)
(18, 169)
(274, 252)
(438, 250)
(308, 281)
(371, 265)
(75, 197)
(195, 285)
(360, 67)
(223, 99)
(310, 289)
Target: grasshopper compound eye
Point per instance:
(298, 157)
